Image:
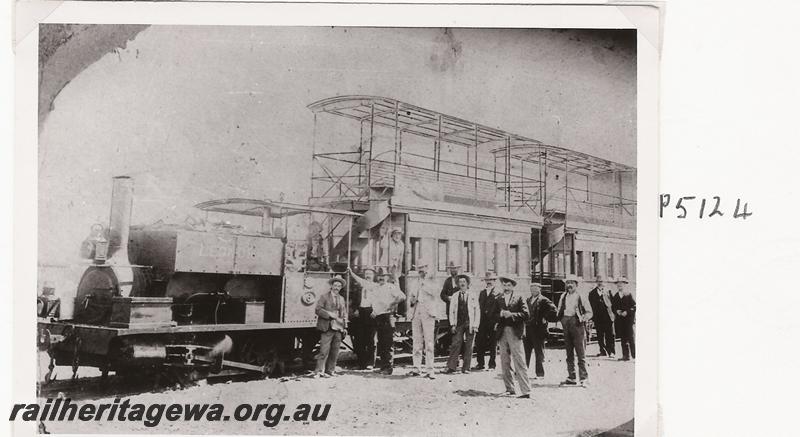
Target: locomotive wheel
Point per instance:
(258, 353)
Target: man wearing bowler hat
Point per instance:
(541, 310)
(603, 318)
(511, 329)
(465, 318)
(486, 340)
(574, 310)
(625, 309)
(331, 314)
(422, 312)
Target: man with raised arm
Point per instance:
(384, 298)
(422, 312)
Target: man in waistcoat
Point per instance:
(574, 310)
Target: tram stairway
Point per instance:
(378, 211)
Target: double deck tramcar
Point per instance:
(392, 185)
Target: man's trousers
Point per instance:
(463, 336)
(329, 344)
(423, 334)
(511, 349)
(575, 343)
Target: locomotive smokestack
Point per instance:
(120, 221)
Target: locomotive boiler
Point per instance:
(203, 295)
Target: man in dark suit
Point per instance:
(331, 318)
(574, 310)
(486, 341)
(541, 310)
(511, 330)
(625, 309)
(603, 318)
(450, 286)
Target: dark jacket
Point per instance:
(490, 312)
(449, 288)
(540, 310)
(600, 311)
(624, 303)
(334, 304)
(519, 314)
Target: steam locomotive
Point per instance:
(199, 296)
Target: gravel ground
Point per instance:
(365, 403)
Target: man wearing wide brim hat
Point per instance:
(465, 317)
(486, 340)
(625, 309)
(422, 301)
(331, 318)
(574, 310)
(510, 330)
(384, 299)
(363, 329)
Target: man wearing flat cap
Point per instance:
(574, 310)
(625, 309)
(510, 329)
(486, 340)
(331, 313)
(422, 301)
(465, 318)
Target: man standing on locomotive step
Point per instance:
(384, 299)
(422, 312)
(541, 310)
(486, 340)
(511, 329)
(625, 308)
(365, 322)
(574, 310)
(465, 317)
(603, 318)
(331, 312)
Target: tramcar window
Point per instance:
(610, 265)
(415, 251)
(468, 256)
(579, 263)
(623, 267)
(595, 265)
(513, 259)
(441, 252)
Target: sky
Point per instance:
(195, 113)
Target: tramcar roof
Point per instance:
(424, 122)
(256, 207)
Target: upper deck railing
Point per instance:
(497, 170)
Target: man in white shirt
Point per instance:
(574, 310)
(384, 298)
(422, 302)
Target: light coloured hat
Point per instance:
(396, 230)
(469, 280)
(490, 276)
(621, 281)
(571, 278)
(338, 279)
(508, 279)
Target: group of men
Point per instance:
(497, 316)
